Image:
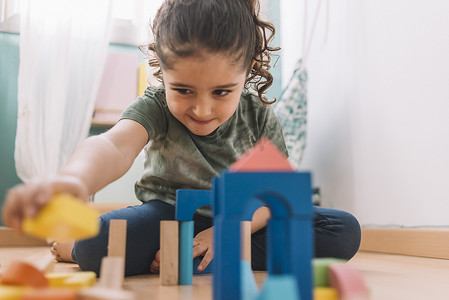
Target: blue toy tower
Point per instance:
(235, 196)
(288, 194)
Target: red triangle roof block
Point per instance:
(263, 157)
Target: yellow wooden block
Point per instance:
(142, 81)
(76, 280)
(325, 293)
(57, 279)
(9, 292)
(63, 218)
(81, 280)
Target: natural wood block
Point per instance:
(112, 272)
(169, 253)
(246, 241)
(117, 238)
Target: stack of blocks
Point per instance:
(263, 176)
(34, 279)
(337, 280)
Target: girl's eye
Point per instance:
(183, 91)
(221, 92)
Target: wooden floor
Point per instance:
(388, 277)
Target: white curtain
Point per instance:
(63, 46)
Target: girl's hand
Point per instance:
(26, 200)
(203, 246)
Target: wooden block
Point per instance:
(321, 269)
(248, 282)
(348, 282)
(169, 253)
(112, 272)
(11, 292)
(246, 241)
(24, 274)
(117, 238)
(44, 263)
(101, 293)
(57, 279)
(79, 280)
(279, 287)
(64, 218)
(185, 253)
(325, 293)
(263, 157)
(49, 294)
(76, 280)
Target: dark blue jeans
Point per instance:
(337, 234)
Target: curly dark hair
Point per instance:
(232, 27)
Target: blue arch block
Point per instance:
(289, 233)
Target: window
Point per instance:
(130, 23)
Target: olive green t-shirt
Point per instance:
(175, 158)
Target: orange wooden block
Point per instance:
(263, 157)
(348, 282)
(49, 294)
(25, 274)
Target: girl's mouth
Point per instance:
(199, 122)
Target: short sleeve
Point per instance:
(150, 111)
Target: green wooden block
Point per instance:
(320, 270)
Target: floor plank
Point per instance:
(396, 277)
(388, 276)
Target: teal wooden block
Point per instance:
(185, 252)
(250, 291)
(280, 287)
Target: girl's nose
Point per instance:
(202, 109)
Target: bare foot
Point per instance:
(63, 251)
(155, 264)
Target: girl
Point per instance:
(208, 53)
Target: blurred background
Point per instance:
(377, 93)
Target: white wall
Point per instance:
(378, 136)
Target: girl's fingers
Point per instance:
(206, 260)
(199, 250)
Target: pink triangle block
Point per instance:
(263, 157)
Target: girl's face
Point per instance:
(203, 92)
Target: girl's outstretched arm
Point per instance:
(104, 158)
(98, 161)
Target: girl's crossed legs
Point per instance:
(337, 234)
